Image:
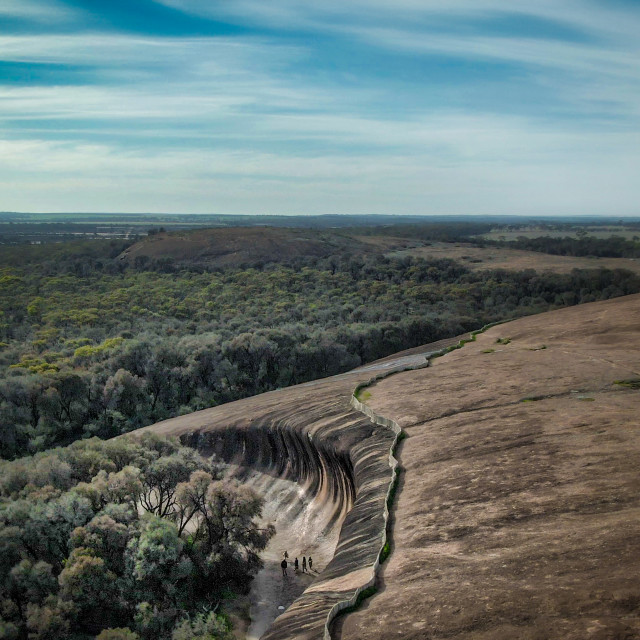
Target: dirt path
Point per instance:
(272, 593)
(302, 529)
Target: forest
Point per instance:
(139, 537)
(123, 540)
(91, 345)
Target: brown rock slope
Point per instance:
(311, 435)
(518, 514)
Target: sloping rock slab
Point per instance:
(312, 435)
(518, 514)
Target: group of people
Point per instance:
(284, 564)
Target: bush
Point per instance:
(203, 627)
(117, 634)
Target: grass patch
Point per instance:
(503, 340)
(533, 399)
(385, 553)
(363, 395)
(461, 344)
(488, 351)
(386, 550)
(394, 488)
(631, 383)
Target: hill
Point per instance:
(229, 247)
(234, 247)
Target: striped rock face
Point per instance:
(311, 437)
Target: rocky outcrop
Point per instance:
(316, 435)
(517, 511)
(517, 514)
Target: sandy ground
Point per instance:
(302, 529)
(272, 592)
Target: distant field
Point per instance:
(596, 231)
(482, 258)
(39, 228)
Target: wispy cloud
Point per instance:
(283, 106)
(36, 10)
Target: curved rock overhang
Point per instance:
(341, 458)
(316, 435)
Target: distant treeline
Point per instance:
(434, 231)
(93, 347)
(24, 229)
(612, 247)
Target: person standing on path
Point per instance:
(295, 565)
(304, 564)
(283, 564)
(310, 563)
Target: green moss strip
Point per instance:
(363, 595)
(631, 383)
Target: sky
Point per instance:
(339, 106)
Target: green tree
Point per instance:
(163, 475)
(49, 525)
(158, 562)
(203, 627)
(33, 582)
(117, 634)
(87, 582)
(106, 539)
(226, 538)
(49, 621)
(125, 392)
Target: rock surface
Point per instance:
(310, 435)
(518, 508)
(518, 514)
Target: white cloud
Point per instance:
(158, 78)
(44, 11)
(221, 55)
(294, 14)
(234, 125)
(462, 164)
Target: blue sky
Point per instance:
(340, 106)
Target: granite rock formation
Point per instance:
(518, 514)
(340, 458)
(518, 504)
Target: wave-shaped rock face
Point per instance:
(518, 506)
(340, 458)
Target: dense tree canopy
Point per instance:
(580, 245)
(123, 539)
(93, 347)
